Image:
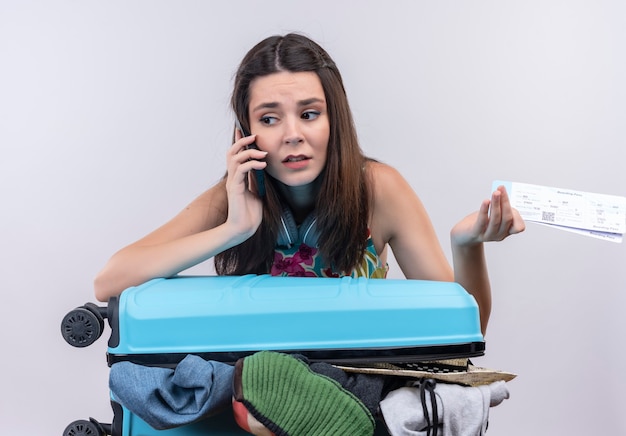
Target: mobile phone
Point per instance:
(260, 175)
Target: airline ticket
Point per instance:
(597, 215)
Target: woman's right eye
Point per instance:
(267, 120)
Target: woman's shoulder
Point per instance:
(385, 180)
(392, 200)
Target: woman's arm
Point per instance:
(494, 221)
(222, 217)
(194, 235)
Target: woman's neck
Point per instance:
(301, 199)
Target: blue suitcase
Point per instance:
(336, 320)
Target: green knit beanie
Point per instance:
(284, 395)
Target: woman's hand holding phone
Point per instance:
(245, 208)
(259, 174)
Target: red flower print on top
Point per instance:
(293, 266)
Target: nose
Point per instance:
(292, 133)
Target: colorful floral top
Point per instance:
(304, 261)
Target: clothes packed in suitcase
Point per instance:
(203, 325)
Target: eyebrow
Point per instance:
(274, 105)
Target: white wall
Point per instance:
(114, 115)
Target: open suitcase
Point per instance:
(335, 320)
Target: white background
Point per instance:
(114, 115)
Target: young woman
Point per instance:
(327, 210)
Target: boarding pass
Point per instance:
(598, 215)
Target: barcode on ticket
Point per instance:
(547, 216)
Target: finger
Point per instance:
(505, 218)
(240, 172)
(238, 134)
(512, 222)
(238, 156)
(482, 219)
(241, 144)
(518, 225)
(245, 155)
(240, 161)
(502, 190)
(507, 208)
(495, 215)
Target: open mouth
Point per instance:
(295, 158)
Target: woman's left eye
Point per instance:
(310, 115)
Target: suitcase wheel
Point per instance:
(82, 326)
(82, 427)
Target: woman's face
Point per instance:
(289, 116)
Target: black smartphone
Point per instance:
(260, 175)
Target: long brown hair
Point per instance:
(342, 205)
